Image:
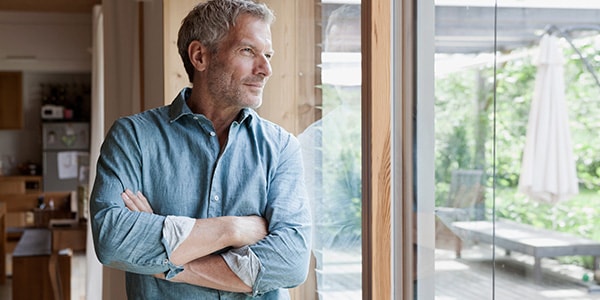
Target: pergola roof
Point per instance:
(470, 29)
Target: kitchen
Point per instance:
(45, 81)
(53, 39)
(47, 51)
(45, 91)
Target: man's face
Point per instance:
(239, 70)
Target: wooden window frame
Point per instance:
(387, 128)
(387, 108)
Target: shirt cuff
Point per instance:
(175, 230)
(244, 263)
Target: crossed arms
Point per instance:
(132, 239)
(201, 267)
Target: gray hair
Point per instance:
(210, 22)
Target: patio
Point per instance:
(473, 277)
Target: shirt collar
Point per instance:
(179, 108)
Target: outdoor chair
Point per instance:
(465, 202)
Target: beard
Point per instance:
(230, 91)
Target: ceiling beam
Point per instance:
(64, 6)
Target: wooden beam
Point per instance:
(64, 6)
(175, 77)
(376, 149)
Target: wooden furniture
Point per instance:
(20, 184)
(20, 197)
(20, 194)
(2, 243)
(11, 102)
(465, 202)
(38, 271)
(71, 237)
(22, 208)
(526, 239)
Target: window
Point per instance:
(332, 152)
(494, 238)
(316, 89)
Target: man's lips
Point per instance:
(255, 84)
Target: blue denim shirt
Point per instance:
(172, 155)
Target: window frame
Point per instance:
(387, 128)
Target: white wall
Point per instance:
(46, 47)
(45, 41)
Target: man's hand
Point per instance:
(208, 235)
(136, 202)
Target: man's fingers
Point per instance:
(129, 202)
(143, 202)
(136, 202)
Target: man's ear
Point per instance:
(198, 55)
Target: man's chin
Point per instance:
(255, 102)
(256, 105)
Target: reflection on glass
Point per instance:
(486, 66)
(332, 154)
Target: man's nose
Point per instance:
(264, 66)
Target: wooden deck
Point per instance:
(474, 277)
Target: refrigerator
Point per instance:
(65, 151)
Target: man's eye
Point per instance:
(268, 56)
(247, 50)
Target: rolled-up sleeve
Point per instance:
(130, 241)
(284, 254)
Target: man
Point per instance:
(223, 214)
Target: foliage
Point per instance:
(458, 117)
(338, 210)
(481, 121)
(490, 106)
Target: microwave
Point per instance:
(52, 112)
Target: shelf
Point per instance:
(20, 185)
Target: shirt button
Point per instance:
(216, 198)
(196, 118)
(212, 133)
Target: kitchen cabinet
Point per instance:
(20, 194)
(20, 185)
(11, 100)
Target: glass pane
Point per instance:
(516, 164)
(464, 115)
(332, 148)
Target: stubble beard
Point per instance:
(228, 92)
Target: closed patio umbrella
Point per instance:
(548, 171)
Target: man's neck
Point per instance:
(221, 117)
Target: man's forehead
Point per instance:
(250, 31)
